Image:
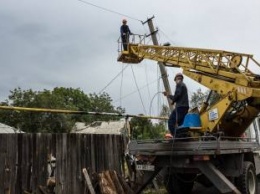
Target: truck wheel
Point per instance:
(179, 183)
(247, 181)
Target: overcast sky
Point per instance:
(68, 43)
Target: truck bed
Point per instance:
(193, 146)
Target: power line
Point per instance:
(129, 94)
(113, 79)
(138, 90)
(166, 36)
(109, 10)
(121, 86)
(146, 77)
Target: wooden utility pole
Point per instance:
(163, 70)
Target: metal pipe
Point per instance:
(61, 111)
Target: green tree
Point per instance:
(199, 97)
(58, 98)
(143, 128)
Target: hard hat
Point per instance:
(124, 20)
(178, 75)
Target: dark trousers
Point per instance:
(176, 118)
(125, 40)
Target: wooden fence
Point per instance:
(24, 157)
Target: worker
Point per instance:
(180, 98)
(125, 33)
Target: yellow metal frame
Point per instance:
(224, 72)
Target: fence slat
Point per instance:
(24, 160)
(2, 162)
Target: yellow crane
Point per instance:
(230, 74)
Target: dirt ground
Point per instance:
(199, 189)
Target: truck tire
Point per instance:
(179, 183)
(247, 181)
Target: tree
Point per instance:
(199, 97)
(143, 128)
(58, 98)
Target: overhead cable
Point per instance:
(109, 10)
(121, 86)
(112, 80)
(129, 94)
(138, 90)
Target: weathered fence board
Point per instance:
(24, 159)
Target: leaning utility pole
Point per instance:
(161, 66)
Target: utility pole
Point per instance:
(163, 70)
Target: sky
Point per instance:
(69, 43)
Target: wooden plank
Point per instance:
(12, 157)
(72, 151)
(106, 184)
(65, 166)
(93, 157)
(80, 156)
(117, 154)
(10, 163)
(59, 163)
(110, 153)
(34, 161)
(118, 186)
(41, 164)
(3, 144)
(73, 164)
(125, 186)
(87, 146)
(24, 161)
(88, 181)
(102, 152)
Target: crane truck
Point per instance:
(216, 152)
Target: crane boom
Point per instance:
(230, 74)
